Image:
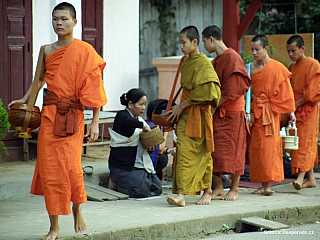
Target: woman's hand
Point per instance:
(147, 129)
(151, 149)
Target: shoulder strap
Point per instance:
(171, 98)
(34, 90)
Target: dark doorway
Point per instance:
(15, 60)
(92, 23)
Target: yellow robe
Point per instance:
(193, 162)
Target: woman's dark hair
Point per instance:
(153, 104)
(132, 95)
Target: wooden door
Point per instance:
(15, 49)
(15, 60)
(92, 23)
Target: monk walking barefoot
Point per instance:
(201, 91)
(273, 96)
(72, 73)
(306, 87)
(229, 119)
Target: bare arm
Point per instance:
(300, 102)
(93, 128)
(221, 101)
(41, 83)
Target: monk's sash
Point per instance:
(261, 107)
(193, 128)
(66, 120)
(306, 109)
(229, 105)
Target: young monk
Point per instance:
(73, 75)
(229, 120)
(306, 87)
(273, 96)
(201, 90)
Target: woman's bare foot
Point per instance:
(230, 196)
(217, 192)
(52, 235)
(79, 222)
(206, 197)
(258, 191)
(178, 201)
(112, 185)
(309, 184)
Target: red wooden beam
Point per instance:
(231, 20)
(248, 17)
(233, 30)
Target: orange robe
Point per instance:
(230, 129)
(273, 96)
(306, 82)
(74, 70)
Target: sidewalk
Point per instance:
(23, 216)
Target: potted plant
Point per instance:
(4, 127)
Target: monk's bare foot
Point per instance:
(79, 222)
(297, 185)
(178, 201)
(52, 235)
(269, 192)
(309, 184)
(216, 192)
(258, 191)
(230, 196)
(205, 199)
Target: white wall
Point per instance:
(42, 29)
(120, 49)
(120, 43)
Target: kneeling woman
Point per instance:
(131, 169)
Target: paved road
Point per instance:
(302, 232)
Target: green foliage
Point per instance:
(280, 19)
(4, 127)
(271, 50)
(248, 58)
(167, 26)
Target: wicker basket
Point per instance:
(152, 138)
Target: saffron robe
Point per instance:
(193, 162)
(306, 82)
(230, 128)
(273, 96)
(74, 70)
